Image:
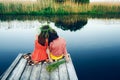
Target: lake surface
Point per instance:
(94, 43)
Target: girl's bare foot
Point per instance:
(35, 62)
(67, 58)
(47, 60)
(50, 60)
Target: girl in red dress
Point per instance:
(41, 43)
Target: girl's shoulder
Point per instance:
(36, 37)
(60, 40)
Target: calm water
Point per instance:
(94, 44)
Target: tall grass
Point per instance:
(104, 8)
(51, 7)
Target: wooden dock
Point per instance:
(19, 70)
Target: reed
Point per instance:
(104, 8)
(51, 7)
(51, 67)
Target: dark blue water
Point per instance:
(95, 48)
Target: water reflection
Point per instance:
(52, 17)
(15, 24)
(71, 23)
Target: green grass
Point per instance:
(53, 66)
(51, 7)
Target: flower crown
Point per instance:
(45, 32)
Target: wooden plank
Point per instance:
(35, 75)
(26, 73)
(44, 73)
(63, 74)
(71, 70)
(15, 75)
(11, 67)
(54, 75)
(65, 71)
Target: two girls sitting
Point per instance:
(49, 46)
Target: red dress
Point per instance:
(39, 53)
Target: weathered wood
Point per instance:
(44, 73)
(20, 71)
(54, 75)
(15, 75)
(26, 73)
(71, 70)
(7, 73)
(35, 75)
(63, 74)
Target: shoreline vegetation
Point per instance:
(50, 7)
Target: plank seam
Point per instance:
(30, 73)
(40, 71)
(8, 74)
(23, 70)
(67, 71)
